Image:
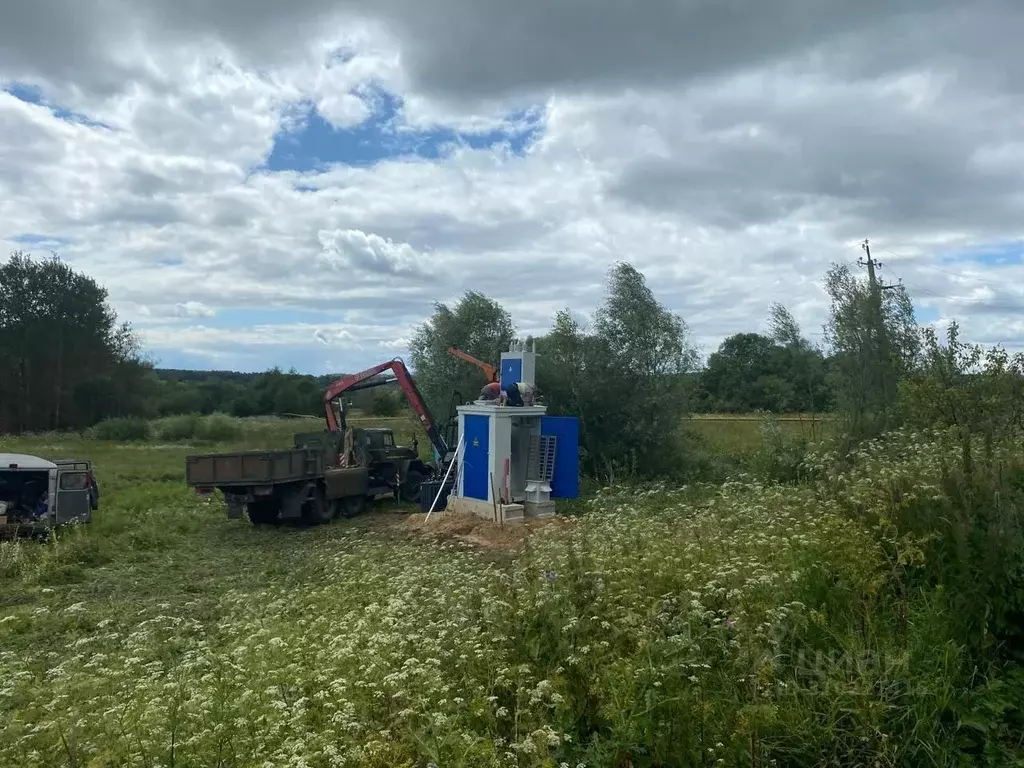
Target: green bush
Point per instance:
(780, 457)
(218, 428)
(178, 427)
(386, 404)
(124, 429)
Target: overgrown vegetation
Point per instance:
(829, 622)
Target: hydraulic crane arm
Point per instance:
(489, 370)
(367, 379)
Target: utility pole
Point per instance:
(886, 376)
(872, 265)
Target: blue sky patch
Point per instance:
(32, 238)
(316, 144)
(32, 94)
(925, 314)
(995, 254)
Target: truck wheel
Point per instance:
(261, 512)
(351, 506)
(413, 486)
(319, 510)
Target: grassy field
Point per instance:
(701, 626)
(741, 434)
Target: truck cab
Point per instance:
(395, 466)
(37, 495)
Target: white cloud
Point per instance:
(730, 166)
(193, 309)
(352, 249)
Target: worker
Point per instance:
(519, 393)
(491, 391)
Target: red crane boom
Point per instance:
(367, 379)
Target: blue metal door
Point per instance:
(511, 370)
(475, 479)
(566, 481)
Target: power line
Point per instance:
(945, 271)
(1013, 300)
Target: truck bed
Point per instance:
(243, 468)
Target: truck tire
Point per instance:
(318, 510)
(350, 506)
(263, 512)
(412, 487)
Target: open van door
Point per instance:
(83, 466)
(74, 493)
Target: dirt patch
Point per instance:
(474, 530)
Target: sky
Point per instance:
(259, 183)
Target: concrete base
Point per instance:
(511, 513)
(482, 509)
(507, 513)
(539, 508)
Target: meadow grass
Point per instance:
(741, 624)
(740, 434)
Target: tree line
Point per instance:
(67, 362)
(631, 375)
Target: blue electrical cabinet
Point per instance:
(474, 457)
(511, 371)
(566, 481)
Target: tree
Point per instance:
(477, 325)
(386, 404)
(783, 328)
(65, 361)
(874, 342)
(780, 372)
(736, 374)
(976, 392)
(624, 378)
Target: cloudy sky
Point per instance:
(260, 182)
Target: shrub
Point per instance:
(178, 427)
(122, 430)
(218, 427)
(385, 404)
(781, 454)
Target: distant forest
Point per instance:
(254, 394)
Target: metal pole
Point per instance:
(455, 461)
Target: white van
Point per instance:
(37, 495)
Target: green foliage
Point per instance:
(874, 342)
(214, 428)
(781, 372)
(978, 393)
(124, 429)
(218, 428)
(65, 361)
(476, 325)
(624, 378)
(781, 453)
(386, 404)
(177, 427)
(749, 624)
